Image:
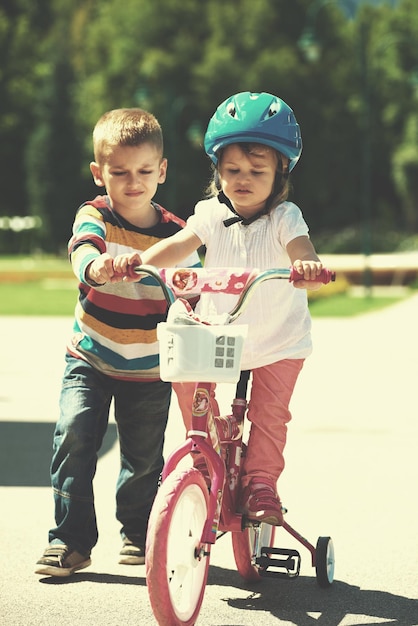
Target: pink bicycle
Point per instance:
(196, 505)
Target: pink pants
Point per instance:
(271, 392)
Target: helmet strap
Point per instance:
(223, 199)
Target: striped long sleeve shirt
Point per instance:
(115, 324)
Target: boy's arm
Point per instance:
(87, 247)
(168, 252)
(305, 260)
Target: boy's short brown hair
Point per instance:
(125, 127)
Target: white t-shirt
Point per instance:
(277, 315)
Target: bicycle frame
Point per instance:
(197, 442)
(221, 510)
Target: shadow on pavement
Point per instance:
(108, 579)
(26, 452)
(298, 601)
(302, 602)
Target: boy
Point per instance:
(113, 353)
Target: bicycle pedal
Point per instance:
(288, 567)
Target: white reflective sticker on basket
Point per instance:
(170, 349)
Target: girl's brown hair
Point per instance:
(281, 185)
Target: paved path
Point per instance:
(351, 473)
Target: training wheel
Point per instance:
(324, 561)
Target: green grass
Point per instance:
(28, 265)
(46, 297)
(38, 285)
(58, 297)
(344, 305)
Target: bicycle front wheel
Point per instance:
(176, 577)
(244, 548)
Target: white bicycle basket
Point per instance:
(192, 353)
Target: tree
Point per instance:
(22, 26)
(68, 61)
(54, 150)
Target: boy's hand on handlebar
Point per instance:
(106, 269)
(100, 271)
(124, 265)
(308, 271)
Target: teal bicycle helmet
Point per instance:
(254, 117)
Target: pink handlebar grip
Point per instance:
(326, 276)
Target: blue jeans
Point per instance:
(141, 411)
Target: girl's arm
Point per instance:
(168, 252)
(305, 260)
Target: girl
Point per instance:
(254, 142)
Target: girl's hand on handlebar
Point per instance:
(307, 272)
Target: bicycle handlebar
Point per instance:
(326, 276)
(176, 282)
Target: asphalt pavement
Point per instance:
(351, 473)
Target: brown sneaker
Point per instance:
(260, 503)
(132, 553)
(60, 560)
